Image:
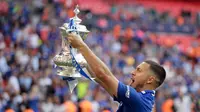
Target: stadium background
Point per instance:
(123, 34)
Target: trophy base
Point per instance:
(68, 72)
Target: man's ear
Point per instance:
(151, 79)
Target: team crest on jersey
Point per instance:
(120, 104)
(128, 92)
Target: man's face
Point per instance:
(140, 76)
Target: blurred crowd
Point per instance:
(30, 38)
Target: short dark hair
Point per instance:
(158, 70)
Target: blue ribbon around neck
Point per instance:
(77, 66)
(73, 28)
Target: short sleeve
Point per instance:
(127, 94)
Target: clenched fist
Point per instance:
(75, 40)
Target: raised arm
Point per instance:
(102, 73)
(95, 78)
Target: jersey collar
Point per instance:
(149, 91)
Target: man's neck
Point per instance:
(147, 87)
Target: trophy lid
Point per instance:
(75, 18)
(77, 21)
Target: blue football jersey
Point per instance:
(132, 101)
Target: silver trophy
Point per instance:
(69, 61)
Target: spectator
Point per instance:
(183, 102)
(4, 68)
(47, 105)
